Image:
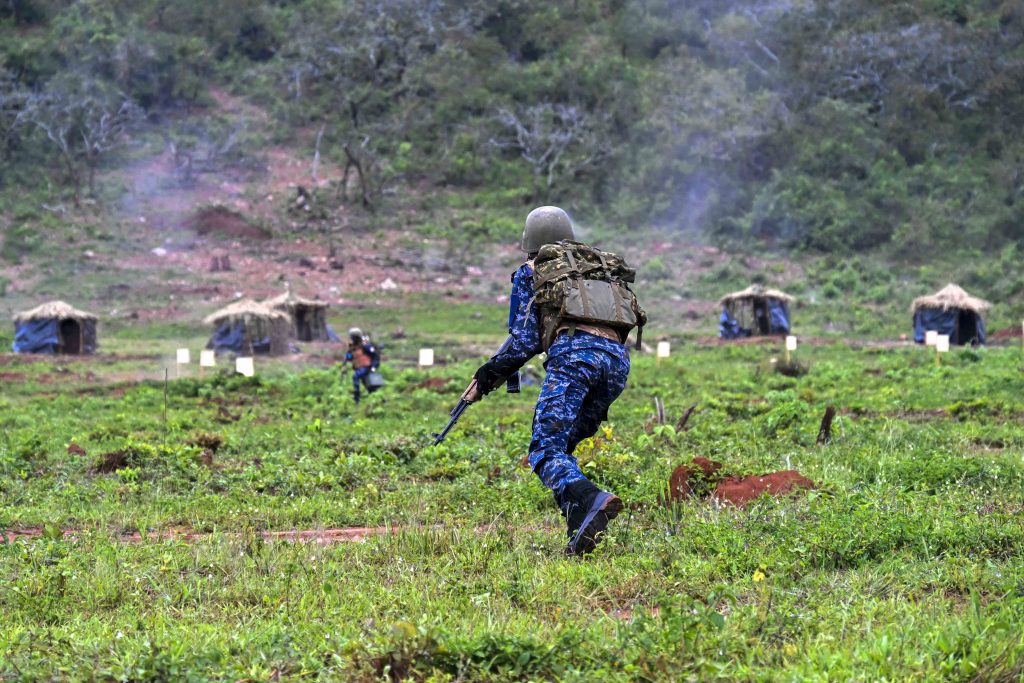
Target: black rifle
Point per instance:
(456, 414)
(511, 387)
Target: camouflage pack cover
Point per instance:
(576, 283)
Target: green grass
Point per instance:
(904, 564)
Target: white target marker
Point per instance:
(930, 337)
(791, 343)
(426, 358)
(664, 349)
(184, 357)
(942, 343)
(245, 366)
(207, 358)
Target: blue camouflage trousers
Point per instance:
(585, 374)
(359, 376)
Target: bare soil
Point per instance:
(705, 479)
(694, 479)
(1006, 334)
(743, 490)
(222, 221)
(111, 462)
(432, 383)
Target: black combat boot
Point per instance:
(587, 511)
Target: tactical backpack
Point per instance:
(576, 283)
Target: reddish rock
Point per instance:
(75, 449)
(693, 479)
(679, 487)
(710, 468)
(742, 490)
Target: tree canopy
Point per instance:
(826, 125)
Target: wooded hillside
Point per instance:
(827, 125)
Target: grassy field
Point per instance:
(136, 548)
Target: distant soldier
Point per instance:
(573, 302)
(365, 359)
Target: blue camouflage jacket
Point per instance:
(524, 335)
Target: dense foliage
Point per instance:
(817, 124)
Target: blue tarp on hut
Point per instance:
(55, 327)
(953, 312)
(754, 311)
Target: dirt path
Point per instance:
(317, 536)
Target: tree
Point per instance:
(83, 119)
(557, 140)
(13, 104)
(357, 67)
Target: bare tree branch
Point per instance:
(83, 121)
(557, 140)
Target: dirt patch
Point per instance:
(222, 221)
(626, 613)
(75, 449)
(26, 533)
(113, 461)
(432, 383)
(769, 340)
(207, 441)
(704, 479)
(923, 415)
(11, 377)
(742, 490)
(206, 457)
(224, 416)
(746, 341)
(695, 479)
(1006, 334)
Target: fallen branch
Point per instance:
(825, 431)
(681, 425)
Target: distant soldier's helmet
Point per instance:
(546, 225)
(355, 332)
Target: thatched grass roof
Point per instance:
(951, 296)
(756, 292)
(244, 309)
(289, 300)
(53, 310)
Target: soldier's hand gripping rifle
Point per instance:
(473, 394)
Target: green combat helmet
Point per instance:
(546, 225)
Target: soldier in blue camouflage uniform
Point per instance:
(586, 371)
(365, 359)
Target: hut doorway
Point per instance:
(966, 327)
(303, 323)
(761, 320)
(71, 336)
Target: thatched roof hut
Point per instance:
(59, 310)
(951, 296)
(756, 310)
(953, 312)
(308, 316)
(55, 327)
(755, 292)
(247, 326)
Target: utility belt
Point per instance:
(596, 330)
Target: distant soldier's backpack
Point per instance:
(576, 283)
